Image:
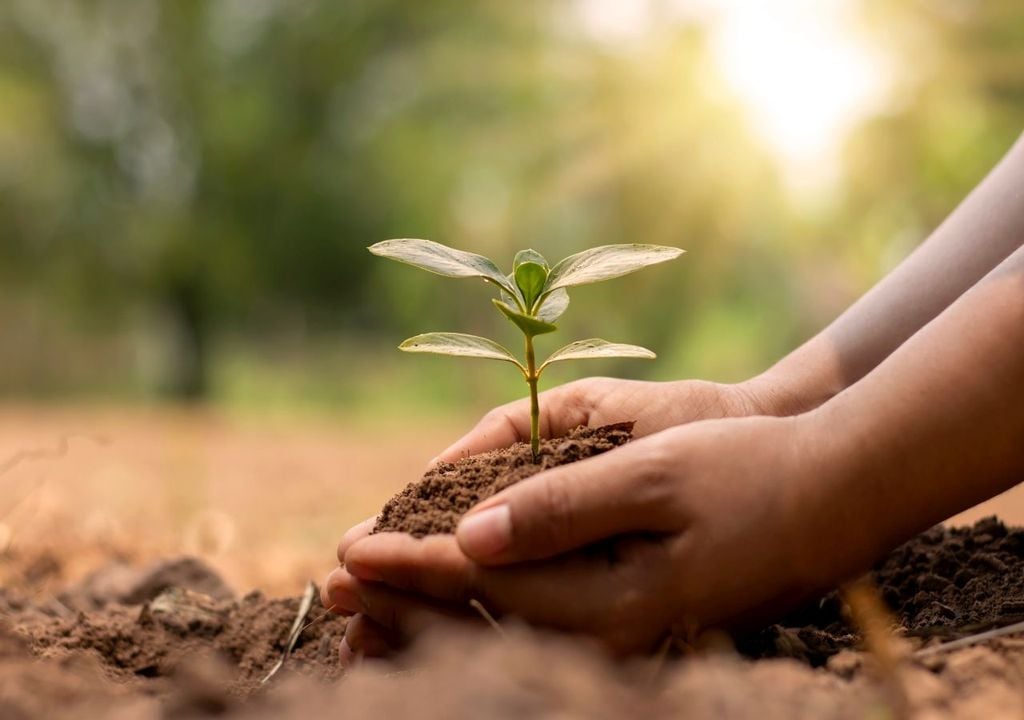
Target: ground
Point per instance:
(104, 609)
(263, 500)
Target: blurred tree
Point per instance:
(228, 161)
(213, 170)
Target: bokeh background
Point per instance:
(197, 350)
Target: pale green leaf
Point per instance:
(441, 259)
(529, 325)
(594, 348)
(458, 344)
(552, 307)
(605, 262)
(530, 277)
(524, 256)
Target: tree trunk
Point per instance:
(189, 380)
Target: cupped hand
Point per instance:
(593, 402)
(600, 401)
(698, 525)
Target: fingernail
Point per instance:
(363, 572)
(487, 532)
(346, 655)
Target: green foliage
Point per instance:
(595, 348)
(524, 296)
(459, 344)
(188, 187)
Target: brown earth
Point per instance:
(141, 644)
(144, 626)
(944, 584)
(434, 504)
(170, 640)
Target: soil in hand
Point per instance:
(434, 504)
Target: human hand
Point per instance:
(707, 525)
(592, 402)
(600, 401)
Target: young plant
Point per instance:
(533, 297)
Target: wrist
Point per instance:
(800, 382)
(838, 491)
(822, 504)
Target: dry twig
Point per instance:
(1017, 627)
(297, 627)
(873, 619)
(479, 607)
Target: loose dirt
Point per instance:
(172, 640)
(143, 627)
(944, 584)
(149, 644)
(434, 504)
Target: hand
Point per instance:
(599, 401)
(593, 402)
(707, 528)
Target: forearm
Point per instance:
(936, 428)
(982, 232)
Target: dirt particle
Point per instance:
(991, 561)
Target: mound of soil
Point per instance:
(179, 653)
(943, 584)
(147, 627)
(434, 504)
(172, 640)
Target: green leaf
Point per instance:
(605, 262)
(459, 344)
(525, 256)
(552, 307)
(596, 348)
(530, 277)
(441, 259)
(529, 325)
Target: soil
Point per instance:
(434, 504)
(172, 640)
(943, 584)
(146, 626)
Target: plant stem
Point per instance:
(531, 379)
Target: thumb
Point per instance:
(623, 490)
(565, 407)
(501, 427)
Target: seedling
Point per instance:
(533, 297)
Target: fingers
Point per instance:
(365, 637)
(356, 532)
(618, 594)
(432, 566)
(627, 489)
(562, 408)
(403, 614)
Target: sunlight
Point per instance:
(803, 70)
(805, 75)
